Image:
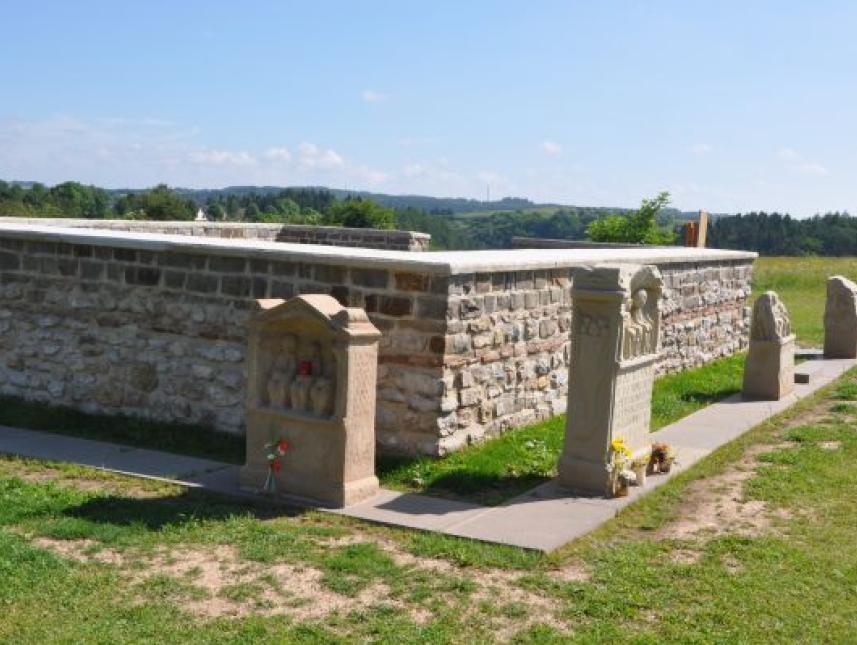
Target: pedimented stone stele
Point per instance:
(770, 366)
(312, 367)
(615, 343)
(840, 318)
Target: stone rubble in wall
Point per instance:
(121, 366)
(508, 351)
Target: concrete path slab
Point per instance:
(542, 519)
(413, 511)
(103, 455)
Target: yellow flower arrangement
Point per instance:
(620, 447)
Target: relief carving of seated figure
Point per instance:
(301, 386)
(639, 329)
(282, 373)
(321, 396)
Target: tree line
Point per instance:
(831, 234)
(287, 206)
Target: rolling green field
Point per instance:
(800, 282)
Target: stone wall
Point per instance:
(473, 342)
(370, 238)
(507, 342)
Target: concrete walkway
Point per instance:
(542, 519)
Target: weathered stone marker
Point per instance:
(312, 367)
(770, 366)
(840, 318)
(614, 345)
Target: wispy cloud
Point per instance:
(312, 156)
(373, 96)
(280, 153)
(222, 157)
(812, 169)
(551, 148)
(788, 154)
(799, 164)
(700, 149)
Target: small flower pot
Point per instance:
(641, 471)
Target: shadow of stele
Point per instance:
(190, 506)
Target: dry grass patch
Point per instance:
(717, 506)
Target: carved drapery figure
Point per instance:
(770, 318)
(638, 334)
(300, 392)
(305, 384)
(282, 373)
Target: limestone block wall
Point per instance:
(473, 342)
(507, 343)
(162, 334)
(369, 238)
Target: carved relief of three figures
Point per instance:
(638, 338)
(305, 383)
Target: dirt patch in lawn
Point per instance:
(84, 479)
(716, 505)
(217, 582)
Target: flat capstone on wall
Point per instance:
(472, 343)
(369, 238)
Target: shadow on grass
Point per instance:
(178, 438)
(467, 483)
(189, 507)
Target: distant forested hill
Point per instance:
(454, 223)
(832, 234)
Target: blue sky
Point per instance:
(729, 106)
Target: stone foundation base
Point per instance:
(769, 372)
(840, 342)
(252, 479)
(590, 478)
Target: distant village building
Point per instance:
(201, 216)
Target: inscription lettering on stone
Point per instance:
(632, 406)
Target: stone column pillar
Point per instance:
(840, 318)
(615, 344)
(769, 371)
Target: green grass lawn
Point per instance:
(97, 557)
(800, 282)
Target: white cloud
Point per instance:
(799, 164)
(222, 157)
(551, 148)
(700, 149)
(813, 169)
(278, 154)
(312, 156)
(371, 96)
